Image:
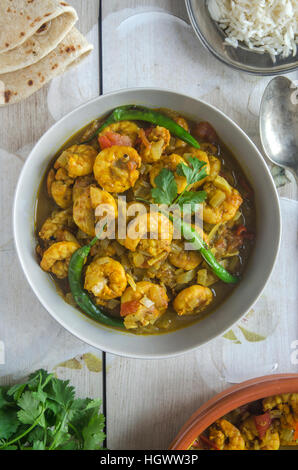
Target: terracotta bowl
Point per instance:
(228, 400)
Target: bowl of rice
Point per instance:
(255, 36)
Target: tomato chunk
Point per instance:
(207, 442)
(205, 132)
(262, 423)
(127, 308)
(240, 230)
(143, 138)
(113, 138)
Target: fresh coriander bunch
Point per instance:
(43, 414)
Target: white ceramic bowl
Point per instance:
(257, 272)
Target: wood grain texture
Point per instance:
(148, 401)
(145, 43)
(21, 125)
(26, 122)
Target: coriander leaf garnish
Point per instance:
(193, 173)
(166, 188)
(190, 199)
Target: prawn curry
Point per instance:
(153, 284)
(267, 424)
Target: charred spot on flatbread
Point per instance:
(7, 95)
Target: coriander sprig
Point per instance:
(166, 191)
(43, 414)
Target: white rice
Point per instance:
(263, 25)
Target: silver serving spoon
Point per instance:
(279, 123)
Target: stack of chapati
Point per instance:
(38, 41)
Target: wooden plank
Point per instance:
(24, 123)
(21, 125)
(148, 401)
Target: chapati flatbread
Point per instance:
(31, 29)
(19, 85)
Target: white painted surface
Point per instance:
(145, 43)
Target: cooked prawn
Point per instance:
(83, 212)
(50, 180)
(143, 305)
(203, 157)
(57, 257)
(100, 197)
(183, 123)
(159, 228)
(81, 183)
(88, 199)
(123, 128)
(106, 210)
(226, 436)
(215, 167)
(185, 259)
(62, 235)
(61, 189)
(175, 142)
(192, 300)
(154, 144)
(77, 160)
(116, 168)
(105, 278)
(57, 221)
(222, 204)
(171, 162)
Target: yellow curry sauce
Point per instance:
(267, 424)
(157, 285)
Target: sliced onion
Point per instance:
(146, 302)
(102, 260)
(131, 282)
(186, 277)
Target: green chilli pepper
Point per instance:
(138, 113)
(189, 233)
(80, 296)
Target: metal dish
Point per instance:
(240, 58)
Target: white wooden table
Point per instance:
(144, 43)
